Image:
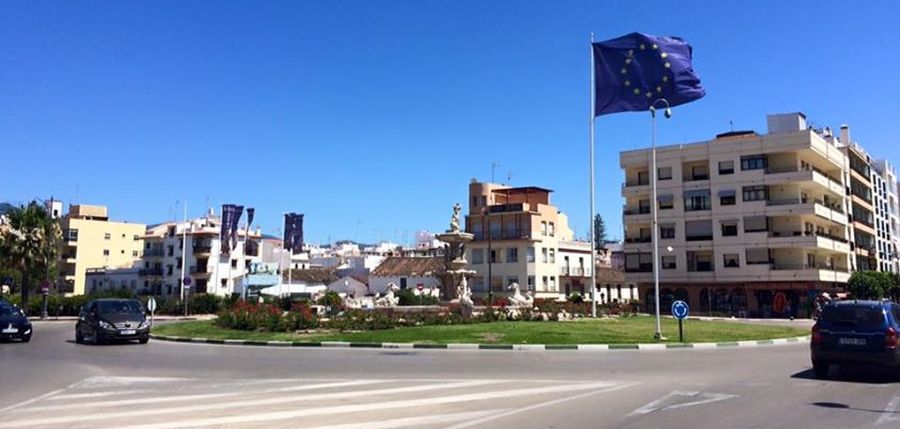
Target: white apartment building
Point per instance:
(209, 269)
(748, 223)
(521, 238)
(887, 225)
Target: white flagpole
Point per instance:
(184, 255)
(591, 219)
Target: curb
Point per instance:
(516, 347)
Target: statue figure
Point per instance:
(454, 220)
(388, 300)
(465, 295)
(517, 299)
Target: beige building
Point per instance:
(91, 240)
(521, 238)
(857, 175)
(748, 223)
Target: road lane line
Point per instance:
(478, 422)
(32, 400)
(411, 421)
(30, 420)
(181, 398)
(889, 413)
(343, 409)
(656, 405)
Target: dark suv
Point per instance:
(13, 323)
(105, 320)
(856, 332)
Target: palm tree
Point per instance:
(29, 242)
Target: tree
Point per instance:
(599, 232)
(870, 284)
(29, 243)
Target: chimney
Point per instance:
(845, 134)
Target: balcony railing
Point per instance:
(153, 252)
(698, 237)
(202, 269)
(643, 268)
(638, 239)
(202, 249)
(783, 201)
(642, 182)
(571, 271)
(150, 272)
(641, 210)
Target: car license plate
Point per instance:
(852, 341)
(127, 332)
(10, 330)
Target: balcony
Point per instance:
(147, 272)
(153, 252)
(506, 208)
(200, 270)
(638, 239)
(636, 183)
(571, 271)
(643, 268)
(641, 210)
(698, 238)
(202, 249)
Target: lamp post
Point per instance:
(490, 257)
(654, 207)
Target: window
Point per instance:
(698, 230)
(729, 228)
(529, 255)
(544, 255)
(726, 167)
(552, 282)
(756, 223)
(495, 256)
(700, 172)
(666, 202)
(664, 173)
(643, 177)
(543, 228)
(757, 256)
(696, 200)
(171, 250)
(644, 206)
(105, 252)
(730, 260)
(475, 201)
(755, 193)
(753, 162)
(512, 255)
(726, 197)
(668, 262)
(169, 270)
(552, 229)
(107, 236)
(552, 256)
(544, 282)
(477, 256)
(530, 284)
(700, 261)
(667, 231)
(639, 262)
(136, 237)
(234, 263)
(511, 279)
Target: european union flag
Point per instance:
(633, 71)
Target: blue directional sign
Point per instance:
(680, 310)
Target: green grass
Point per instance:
(628, 330)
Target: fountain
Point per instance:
(456, 287)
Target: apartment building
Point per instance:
(521, 238)
(210, 270)
(858, 177)
(91, 240)
(748, 223)
(887, 225)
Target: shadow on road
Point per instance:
(836, 405)
(106, 344)
(851, 374)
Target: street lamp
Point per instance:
(654, 204)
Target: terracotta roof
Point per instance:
(410, 266)
(311, 276)
(609, 275)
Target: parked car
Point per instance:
(855, 332)
(103, 320)
(13, 323)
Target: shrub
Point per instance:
(575, 298)
(332, 301)
(408, 297)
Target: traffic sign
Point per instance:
(187, 281)
(680, 310)
(151, 304)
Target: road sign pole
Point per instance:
(680, 331)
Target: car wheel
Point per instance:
(95, 335)
(26, 338)
(820, 369)
(79, 339)
(144, 340)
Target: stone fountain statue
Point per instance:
(455, 260)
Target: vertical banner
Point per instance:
(247, 243)
(238, 211)
(293, 232)
(225, 231)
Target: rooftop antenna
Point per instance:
(509, 175)
(494, 166)
(731, 123)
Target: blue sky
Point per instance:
(372, 116)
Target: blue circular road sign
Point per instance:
(680, 309)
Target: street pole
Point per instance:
(184, 258)
(490, 255)
(653, 207)
(591, 219)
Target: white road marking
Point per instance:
(97, 394)
(411, 421)
(106, 381)
(657, 405)
(478, 422)
(31, 421)
(340, 409)
(890, 412)
(30, 401)
(183, 398)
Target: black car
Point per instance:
(13, 323)
(856, 332)
(105, 320)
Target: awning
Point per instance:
(726, 193)
(697, 193)
(665, 198)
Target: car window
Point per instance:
(895, 311)
(854, 316)
(7, 311)
(107, 307)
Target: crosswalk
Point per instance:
(161, 403)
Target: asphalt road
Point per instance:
(52, 382)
